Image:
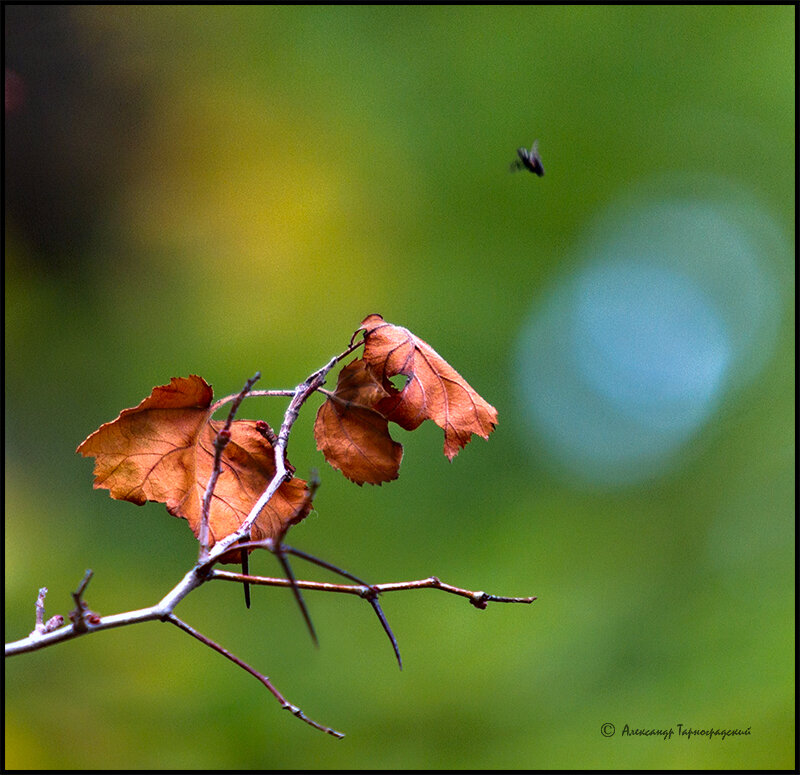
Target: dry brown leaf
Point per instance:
(163, 450)
(352, 435)
(434, 391)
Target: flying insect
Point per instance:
(529, 160)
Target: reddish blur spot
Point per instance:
(15, 91)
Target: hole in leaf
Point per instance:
(399, 381)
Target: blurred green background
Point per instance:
(220, 190)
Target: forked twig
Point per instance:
(84, 621)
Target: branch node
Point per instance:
(368, 592)
(222, 439)
(83, 616)
(480, 600)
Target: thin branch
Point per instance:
(479, 599)
(220, 442)
(373, 598)
(85, 621)
(36, 641)
(293, 709)
(253, 394)
(78, 593)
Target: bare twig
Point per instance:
(159, 612)
(220, 442)
(84, 621)
(479, 599)
(89, 622)
(254, 394)
(295, 711)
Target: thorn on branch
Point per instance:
(369, 592)
(245, 572)
(278, 551)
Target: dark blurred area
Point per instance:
(70, 126)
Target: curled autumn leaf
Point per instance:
(434, 390)
(163, 450)
(352, 434)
